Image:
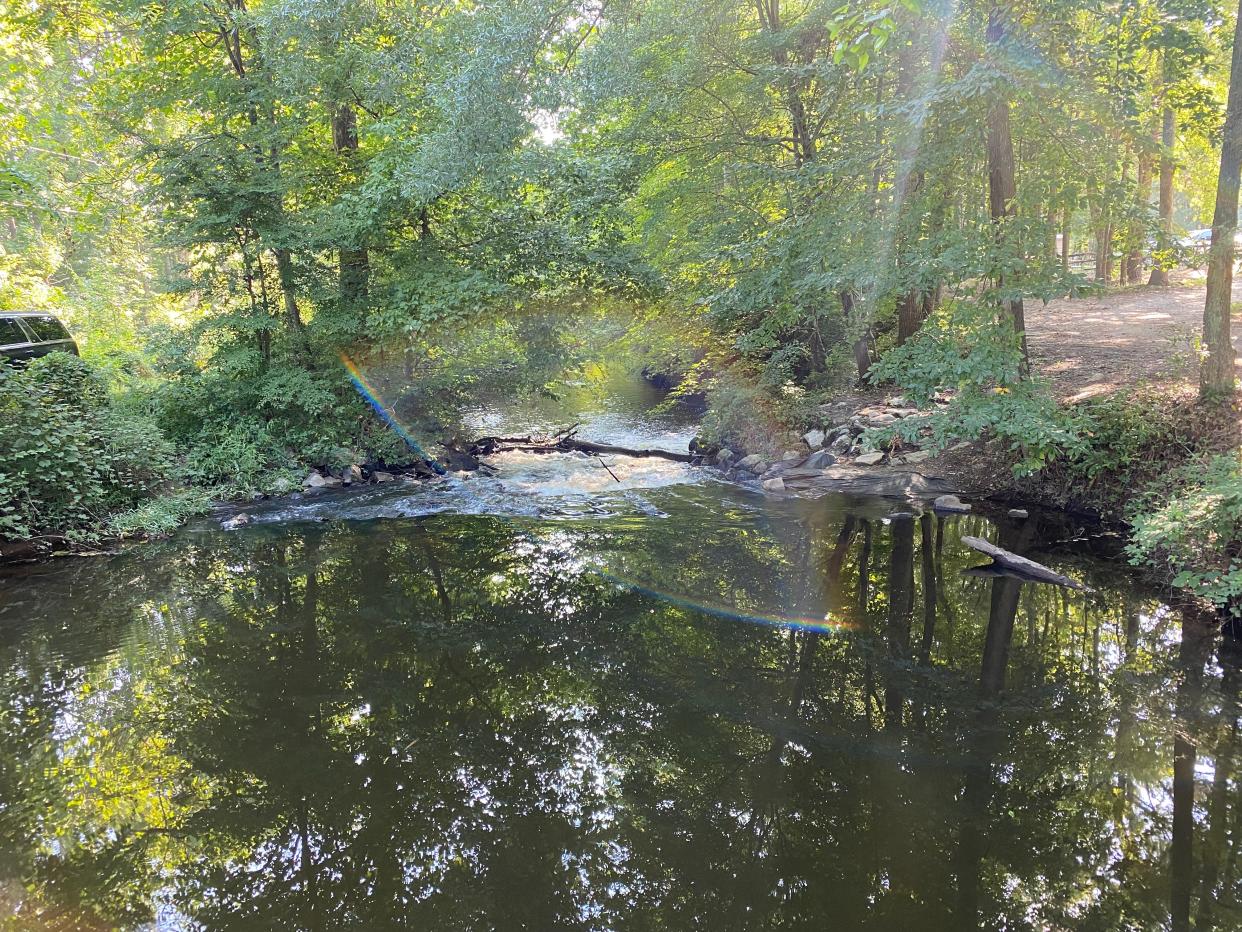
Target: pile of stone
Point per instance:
(357, 474)
(841, 439)
(844, 431)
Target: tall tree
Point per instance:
(354, 262)
(1217, 375)
(1168, 125)
(1002, 177)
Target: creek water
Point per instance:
(548, 699)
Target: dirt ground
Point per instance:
(1096, 345)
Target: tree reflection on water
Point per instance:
(454, 723)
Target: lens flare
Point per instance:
(825, 625)
(831, 622)
(372, 396)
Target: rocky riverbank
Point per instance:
(852, 446)
(847, 449)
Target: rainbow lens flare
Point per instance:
(825, 625)
(372, 397)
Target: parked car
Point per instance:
(1202, 239)
(26, 335)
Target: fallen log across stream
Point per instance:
(566, 442)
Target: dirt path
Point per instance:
(1097, 345)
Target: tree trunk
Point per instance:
(1002, 181)
(909, 316)
(1065, 241)
(231, 36)
(1050, 236)
(1159, 275)
(355, 262)
(288, 289)
(862, 351)
(1123, 269)
(1134, 261)
(1218, 374)
(1104, 254)
(910, 305)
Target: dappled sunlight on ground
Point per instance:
(1093, 346)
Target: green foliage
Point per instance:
(161, 516)
(744, 415)
(963, 349)
(1193, 526)
(240, 457)
(1121, 435)
(68, 457)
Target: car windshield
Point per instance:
(46, 327)
(11, 332)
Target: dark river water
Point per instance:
(550, 700)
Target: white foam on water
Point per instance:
(537, 485)
(570, 474)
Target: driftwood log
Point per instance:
(1021, 566)
(567, 443)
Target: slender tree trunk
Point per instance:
(1065, 241)
(804, 140)
(1002, 181)
(1104, 254)
(862, 349)
(1218, 373)
(288, 290)
(1123, 269)
(1109, 235)
(355, 262)
(1134, 261)
(913, 307)
(1168, 127)
(231, 36)
(1050, 236)
(909, 316)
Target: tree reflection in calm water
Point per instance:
(455, 723)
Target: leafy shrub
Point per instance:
(239, 457)
(1122, 432)
(963, 349)
(743, 414)
(68, 458)
(160, 516)
(1196, 530)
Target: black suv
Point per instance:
(26, 335)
